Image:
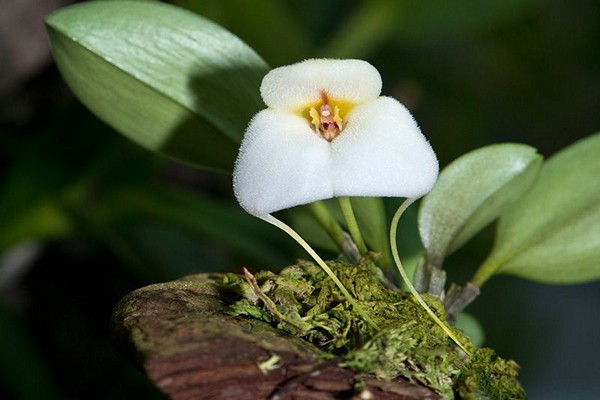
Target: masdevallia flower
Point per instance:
(327, 132)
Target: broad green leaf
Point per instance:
(553, 234)
(170, 80)
(471, 192)
(258, 22)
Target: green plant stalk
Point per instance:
(287, 229)
(485, 272)
(394, 247)
(321, 214)
(353, 228)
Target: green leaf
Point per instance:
(168, 79)
(471, 192)
(258, 23)
(370, 215)
(553, 234)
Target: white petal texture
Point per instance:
(378, 150)
(381, 152)
(282, 163)
(292, 87)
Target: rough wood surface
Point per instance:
(181, 336)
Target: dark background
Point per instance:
(473, 73)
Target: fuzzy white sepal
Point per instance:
(282, 163)
(295, 86)
(382, 152)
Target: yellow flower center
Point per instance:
(326, 115)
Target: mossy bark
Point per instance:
(181, 336)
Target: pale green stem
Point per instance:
(321, 214)
(484, 272)
(411, 288)
(353, 229)
(281, 225)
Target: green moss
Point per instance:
(487, 376)
(304, 302)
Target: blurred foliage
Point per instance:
(111, 217)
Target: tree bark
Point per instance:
(180, 335)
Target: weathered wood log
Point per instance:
(180, 335)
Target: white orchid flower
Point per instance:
(326, 133)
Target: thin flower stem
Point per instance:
(411, 288)
(321, 214)
(281, 225)
(348, 213)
